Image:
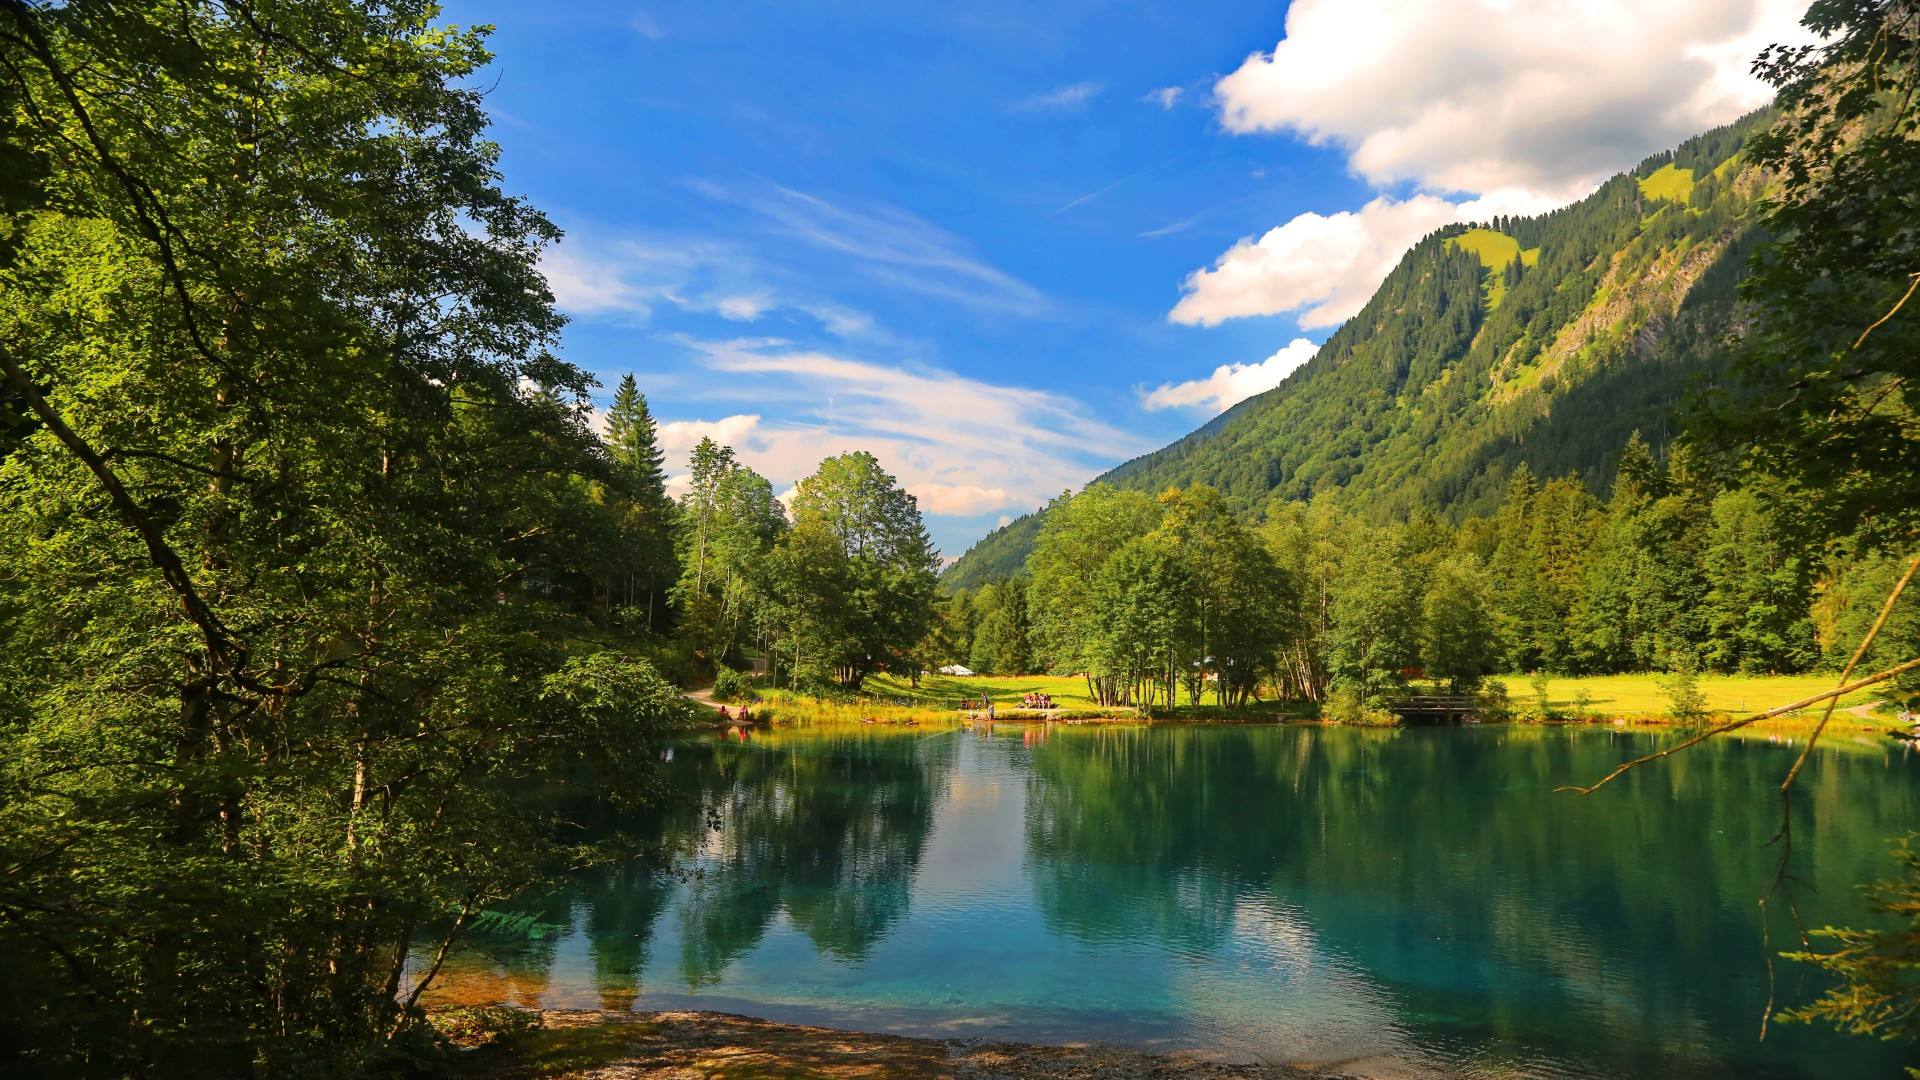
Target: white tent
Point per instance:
(956, 669)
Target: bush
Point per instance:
(1493, 704)
(1542, 700)
(1345, 705)
(1686, 704)
(477, 1025)
(731, 685)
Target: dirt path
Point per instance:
(689, 1045)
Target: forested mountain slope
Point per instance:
(1545, 340)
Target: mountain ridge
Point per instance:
(1543, 340)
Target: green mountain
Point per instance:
(1540, 340)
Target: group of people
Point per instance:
(1036, 701)
(743, 718)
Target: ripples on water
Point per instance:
(1414, 902)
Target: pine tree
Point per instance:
(645, 562)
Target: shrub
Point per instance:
(731, 685)
(1346, 705)
(477, 1025)
(1542, 709)
(1686, 704)
(1493, 704)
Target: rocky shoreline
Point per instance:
(595, 1045)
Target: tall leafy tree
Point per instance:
(889, 560)
(1822, 393)
(280, 662)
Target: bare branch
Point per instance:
(1839, 691)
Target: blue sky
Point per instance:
(1007, 245)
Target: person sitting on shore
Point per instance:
(723, 713)
(745, 716)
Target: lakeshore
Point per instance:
(681, 1045)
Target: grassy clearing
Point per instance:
(1642, 696)
(937, 700)
(1494, 249)
(1668, 183)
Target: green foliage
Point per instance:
(1348, 704)
(1877, 970)
(1459, 638)
(730, 522)
(730, 684)
(1542, 699)
(1152, 597)
(874, 583)
(1686, 704)
(1431, 398)
(471, 1025)
(1815, 399)
(641, 557)
(1492, 703)
(301, 565)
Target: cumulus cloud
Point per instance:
(962, 447)
(1231, 384)
(1324, 266)
(1522, 107)
(1478, 95)
(1063, 99)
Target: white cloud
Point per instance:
(587, 286)
(1477, 95)
(631, 276)
(963, 447)
(1231, 384)
(1166, 96)
(1322, 265)
(889, 245)
(1063, 99)
(646, 26)
(743, 308)
(679, 437)
(1523, 106)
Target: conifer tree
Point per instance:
(644, 564)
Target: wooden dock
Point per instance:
(1433, 708)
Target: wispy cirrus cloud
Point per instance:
(1070, 98)
(1166, 96)
(630, 276)
(962, 446)
(887, 244)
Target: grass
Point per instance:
(895, 700)
(1494, 249)
(1642, 695)
(1668, 183)
(949, 690)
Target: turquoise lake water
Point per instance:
(1402, 902)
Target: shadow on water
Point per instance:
(1418, 899)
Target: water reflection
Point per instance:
(1398, 900)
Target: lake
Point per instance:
(1405, 902)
